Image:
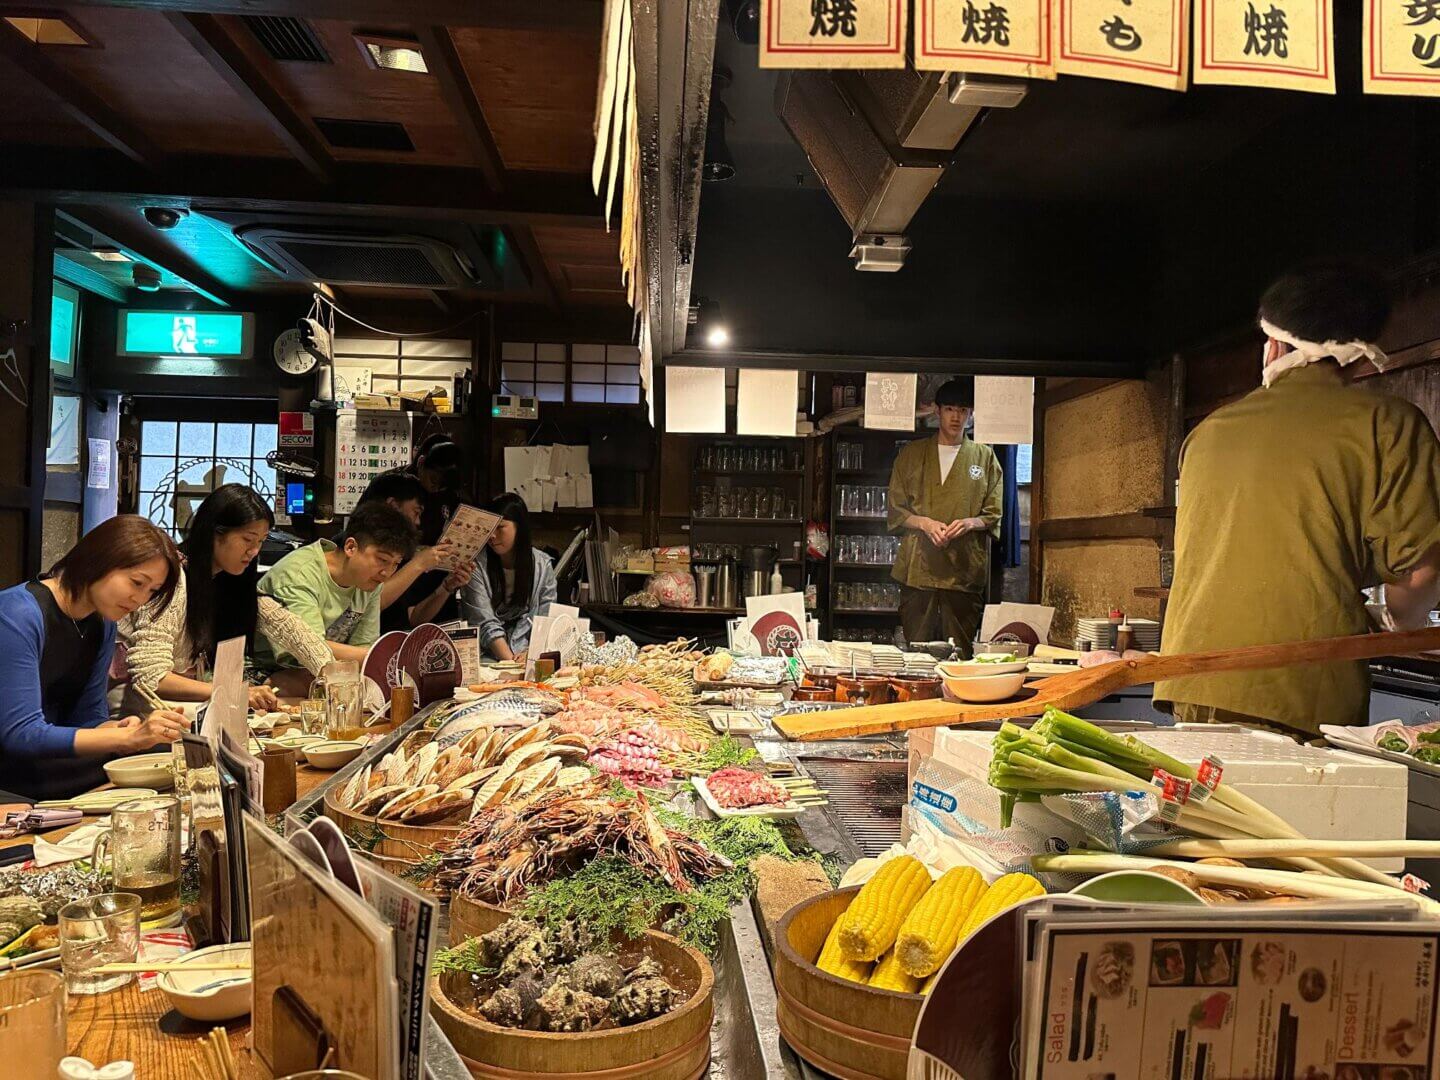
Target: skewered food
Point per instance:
(735, 788)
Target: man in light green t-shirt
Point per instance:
(334, 587)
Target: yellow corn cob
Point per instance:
(832, 961)
(873, 918)
(1005, 893)
(930, 931)
(889, 976)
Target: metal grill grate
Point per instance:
(287, 38)
(865, 798)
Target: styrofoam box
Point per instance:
(1326, 794)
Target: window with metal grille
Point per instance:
(182, 461)
(389, 365)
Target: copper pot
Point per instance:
(823, 679)
(862, 690)
(915, 687)
(813, 693)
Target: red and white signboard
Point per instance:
(297, 429)
(833, 33)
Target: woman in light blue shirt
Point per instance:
(512, 583)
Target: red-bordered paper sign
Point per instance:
(996, 37)
(1279, 44)
(833, 33)
(1402, 47)
(1135, 41)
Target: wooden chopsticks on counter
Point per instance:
(219, 1059)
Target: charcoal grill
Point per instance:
(865, 796)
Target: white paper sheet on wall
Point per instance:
(1004, 409)
(766, 401)
(889, 401)
(695, 400)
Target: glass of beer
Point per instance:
(344, 700)
(144, 846)
(32, 1024)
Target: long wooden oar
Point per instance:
(1087, 686)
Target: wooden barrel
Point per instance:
(843, 1028)
(471, 918)
(397, 841)
(675, 1046)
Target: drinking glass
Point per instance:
(867, 501)
(344, 718)
(103, 929)
(725, 503)
(777, 503)
(32, 1024)
(707, 458)
(882, 502)
(705, 496)
(143, 842)
(312, 716)
(762, 502)
(745, 502)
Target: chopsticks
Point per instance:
(126, 969)
(219, 1058)
(42, 958)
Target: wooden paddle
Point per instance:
(1087, 686)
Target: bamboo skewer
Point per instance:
(126, 969)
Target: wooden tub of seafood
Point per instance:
(844, 1028)
(645, 1011)
(405, 806)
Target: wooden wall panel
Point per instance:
(1085, 579)
(1105, 451)
(12, 548)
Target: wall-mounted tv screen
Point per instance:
(186, 333)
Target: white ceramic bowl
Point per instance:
(986, 688)
(294, 740)
(142, 770)
(210, 996)
(966, 669)
(332, 755)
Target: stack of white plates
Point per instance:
(888, 659)
(1100, 633)
(1145, 635)
(852, 652)
(919, 663)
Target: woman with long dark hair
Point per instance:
(57, 638)
(513, 583)
(170, 652)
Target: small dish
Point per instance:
(210, 996)
(142, 770)
(863, 690)
(966, 669)
(915, 687)
(294, 740)
(332, 755)
(986, 688)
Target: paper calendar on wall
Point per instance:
(367, 444)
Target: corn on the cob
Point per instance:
(930, 931)
(833, 962)
(890, 976)
(1006, 892)
(873, 919)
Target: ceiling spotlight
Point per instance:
(746, 21)
(717, 337)
(707, 325)
(165, 217)
(146, 278)
(719, 162)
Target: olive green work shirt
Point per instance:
(1292, 500)
(974, 488)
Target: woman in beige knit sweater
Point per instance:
(170, 654)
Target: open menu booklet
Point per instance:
(342, 945)
(1316, 991)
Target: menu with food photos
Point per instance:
(468, 530)
(1232, 996)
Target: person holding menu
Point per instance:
(945, 502)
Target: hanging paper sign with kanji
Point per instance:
(1281, 44)
(1402, 47)
(833, 33)
(1135, 41)
(999, 37)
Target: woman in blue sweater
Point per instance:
(57, 638)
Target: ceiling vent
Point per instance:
(364, 134)
(286, 38)
(396, 261)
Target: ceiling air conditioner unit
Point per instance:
(344, 258)
(880, 140)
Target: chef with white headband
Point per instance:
(1295, 499)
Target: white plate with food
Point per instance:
(787, 808)
(985, 688)
(966, 669)
(143, 770)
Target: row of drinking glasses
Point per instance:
(863, 500)
(870, 550)
(746, 502)
(872, 594)
(748, 458)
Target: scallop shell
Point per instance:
(528, 755)
(358, 784)
(377, 797)
(442, 765)
(436, 808)
(532, 734)
(538, 777)
(420, 765)
(452, 771)
(570, 745)
(571, 775)
(471, 780)
(398, 805)
(490, 790)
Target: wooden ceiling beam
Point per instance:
(132, 235)
(208, 38)
(524, 240)
(77, 99)
(443, 60)
(492, 14)
(69, 177)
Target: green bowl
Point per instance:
(1137, 886)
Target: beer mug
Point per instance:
(143, 842)
(341, 685)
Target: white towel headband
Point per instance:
(1308, 352)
